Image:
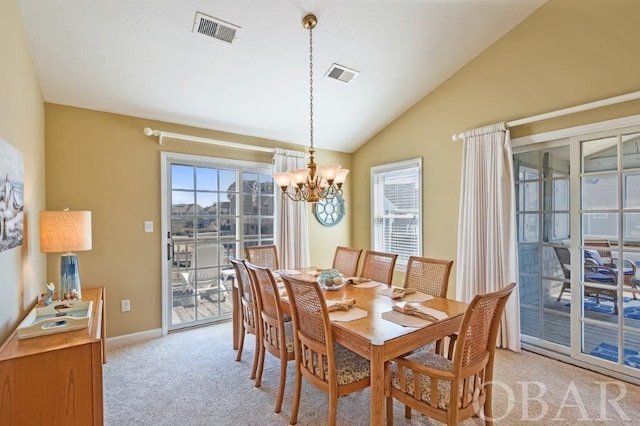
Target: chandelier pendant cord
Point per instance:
(311, 84)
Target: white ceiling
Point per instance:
(140, 58)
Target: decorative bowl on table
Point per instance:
(331, 279)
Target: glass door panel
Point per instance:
(543, 220)
(198, 291)
(610, 226)
(258, 201)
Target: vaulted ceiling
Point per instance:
(141, 58)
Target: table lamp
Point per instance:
(66, 231)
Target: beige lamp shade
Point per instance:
(65, 231)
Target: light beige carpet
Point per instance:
(191, 378)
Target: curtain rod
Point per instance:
(161, 135)
(566, 111)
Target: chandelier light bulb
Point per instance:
(282, 179)
(298, 176)
(341, 176)
(329, 172)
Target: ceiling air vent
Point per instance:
(208, 26)
(340, 73)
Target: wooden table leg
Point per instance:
(377, 385)
(236, 314)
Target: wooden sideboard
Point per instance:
(55, 379)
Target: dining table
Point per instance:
(380, 340)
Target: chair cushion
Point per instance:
(431, 360)
(593, 254)
(350, 367)
(600, 277)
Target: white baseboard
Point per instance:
(129, 339)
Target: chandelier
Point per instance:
(315, 182)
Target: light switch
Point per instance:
(148, 226)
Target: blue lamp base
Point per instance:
(69, 278)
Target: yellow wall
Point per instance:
(567, 53)
(22, 269)
(323, 240)
(104, 163)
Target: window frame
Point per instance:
(411, 164)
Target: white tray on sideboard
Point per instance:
(56, 318)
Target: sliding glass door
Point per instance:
(609, 322)
(578, 218)
(215, 208)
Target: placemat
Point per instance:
(433, 312)
(404, 319)
(352, 314)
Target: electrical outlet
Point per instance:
(148, 226)
(125, 306)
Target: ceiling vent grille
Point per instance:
(340, 73)
(210, 27)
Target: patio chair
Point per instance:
(602, 255)
(346, 260)
(592, 273)
(452, 390)
(249, 322)
(378, 266)
(328, 366)
(205, 279)
(265, 256)
(276, 335)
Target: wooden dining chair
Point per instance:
(276, 335)
(265, 256)
(248, 310)
(346, 260)
(430, 276)
(329, 366)
(378, 266)
(451, 390)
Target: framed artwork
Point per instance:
(11, 196)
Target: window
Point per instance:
(232, 205)
(397, 209)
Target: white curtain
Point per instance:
(487, 244)
(292, 235)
